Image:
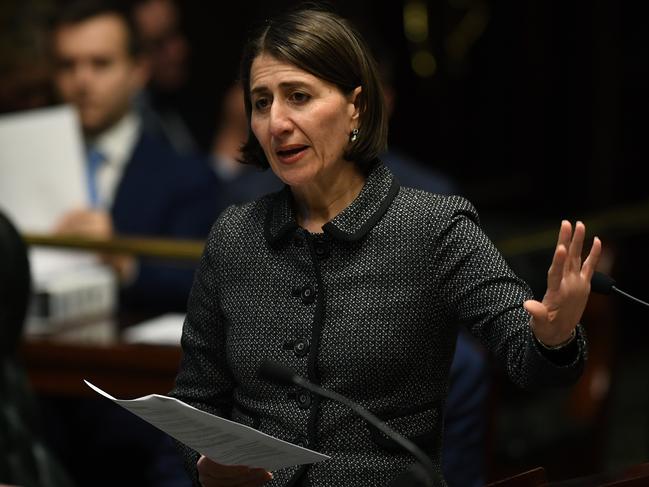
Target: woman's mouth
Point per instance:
(291, 154)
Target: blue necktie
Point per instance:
(94, 159)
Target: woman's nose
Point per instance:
(280, 121)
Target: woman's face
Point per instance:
(301, 122)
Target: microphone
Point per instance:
(603, 284)
(422, 474)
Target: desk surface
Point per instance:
(125, 371)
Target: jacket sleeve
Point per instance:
(204, 380)
(483, 293)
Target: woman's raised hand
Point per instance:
(555, 318)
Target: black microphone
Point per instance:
(422, 474)
(603, 284)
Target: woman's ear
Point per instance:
(355, 99)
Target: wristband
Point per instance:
(559, 346)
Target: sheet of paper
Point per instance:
(217, 438)
(42, 169)
(166, 329)
(42, 176)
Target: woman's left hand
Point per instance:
(555, 318)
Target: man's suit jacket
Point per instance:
(162, 194)
(370, 308)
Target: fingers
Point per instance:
(565, 233)
(254, 478)
(213, 474)
(537, 310)
(568, 285)
(574, 250)
(555, 273)
(567, 255)
(89, 223)
(590, 264)
(66, 222)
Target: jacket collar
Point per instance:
(350, 225)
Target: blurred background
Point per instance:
(532, 108)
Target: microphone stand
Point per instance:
(418, 475)
(628, 296)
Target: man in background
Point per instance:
(168, 104)
(137, 185)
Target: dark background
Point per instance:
(535, 108)
(542, 114)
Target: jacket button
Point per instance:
(308, 294)
(301, 347)
(303, 399)
(321, 248)
(302, 441)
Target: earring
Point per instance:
(354, 136)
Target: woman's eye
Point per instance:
(299, 97)
(261, 104)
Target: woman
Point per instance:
(350, 280)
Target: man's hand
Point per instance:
(85, 223)
(97, 224)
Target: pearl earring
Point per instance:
(354, 135)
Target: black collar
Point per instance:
(350, 225)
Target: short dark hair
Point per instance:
(325, 45)
(79, 11)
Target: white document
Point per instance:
(42, 168)
(42, 177)
(219, 439)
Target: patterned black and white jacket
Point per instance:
(370, 308)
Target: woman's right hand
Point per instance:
(212, 474)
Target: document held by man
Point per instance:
(42, 166)
(42, 177)
(219, 439)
